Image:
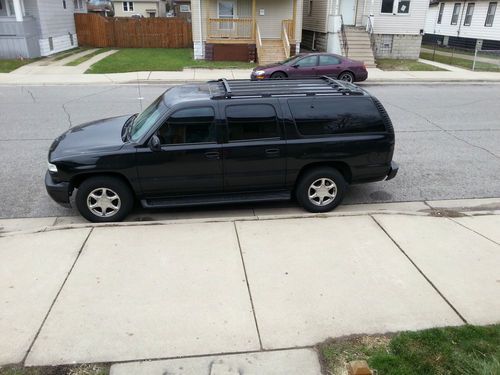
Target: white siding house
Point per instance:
(32, 28)
(395, 27)
(144, 8)
(464, 24)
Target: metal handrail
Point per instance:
(345, 45)
(369, 30)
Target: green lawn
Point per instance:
(7, 66)
(86, 57)
(414, 65)
(462, 63)
(157, 59)
(465, 350)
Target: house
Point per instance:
(33, 28)
(144, 8)
(246, 30)
(182, 8)
(466, 24)
(364, 29)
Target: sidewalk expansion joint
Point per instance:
(420, 271)
(248, 284)
(473, 231)
(56, 297)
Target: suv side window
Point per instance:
(251, 121)
(327, 116)
(192, 125)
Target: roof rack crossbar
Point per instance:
(226, 87)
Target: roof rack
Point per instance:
(317, 86)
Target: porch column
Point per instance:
(18, 10)
(254, 16)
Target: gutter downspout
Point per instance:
(461, 18)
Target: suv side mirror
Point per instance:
(154, 143)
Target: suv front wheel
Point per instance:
(104, 199)
(321, 189)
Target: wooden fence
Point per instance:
(94, 30)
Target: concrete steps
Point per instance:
(272, 51)
(359, 43)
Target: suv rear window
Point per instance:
(251, 121)
(327, 116)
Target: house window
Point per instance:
(456, 13)
(468, 14)
(78, 4)
(404, 6)
(184, 8)
(387, 6)
(310, 9)
(64, 4)
(492, 8)
(128, 6)
(226, 9)
(440, 15)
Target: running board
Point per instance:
(282, 195)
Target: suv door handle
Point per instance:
(212, 155)
(271, 152)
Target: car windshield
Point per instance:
(147, 119)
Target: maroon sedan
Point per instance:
(312, 65)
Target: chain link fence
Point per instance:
(461, 53)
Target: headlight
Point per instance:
(260, 72)
(52, 168)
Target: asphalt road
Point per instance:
(447, 143)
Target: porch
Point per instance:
(18, 31)
(252, 22)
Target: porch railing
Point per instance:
(285, 39)
(230, 28)
(290, 29)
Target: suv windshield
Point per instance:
(147, 119)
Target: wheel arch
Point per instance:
(348, 71)
(281, 72)
(79, 178)
(342, 167)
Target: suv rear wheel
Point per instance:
(321, 189)
(104, 199)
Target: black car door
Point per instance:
(254, 151)
(189, 161)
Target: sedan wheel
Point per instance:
(346, 76)
(322, 192)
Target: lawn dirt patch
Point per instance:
(405, 65)
(84, 369)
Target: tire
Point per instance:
(346, 76)
(118, 205)
(278, 75)
(332, 187)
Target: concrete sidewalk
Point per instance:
(65, 77)
(254, 294)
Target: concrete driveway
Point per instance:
(232, 289)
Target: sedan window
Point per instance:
(328, 60)
(308, 61)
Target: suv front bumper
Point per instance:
(58, 191)
(393, 171)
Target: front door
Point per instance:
(189, 161)
(254, 154)
(348, 11)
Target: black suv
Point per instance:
(225, 142)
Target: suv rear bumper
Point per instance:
(58, 191)
(393, 171)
